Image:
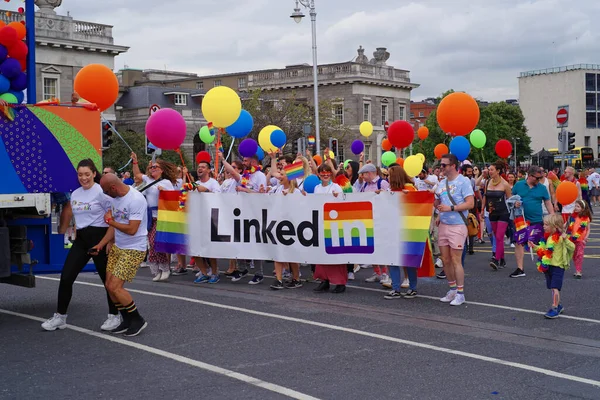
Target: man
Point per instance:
(594, 186)
(127, 178)
(425, 182)
(108, 170)
(454, 199)
(532, 195)
(127, 221)
(568, 209)
(206, 184)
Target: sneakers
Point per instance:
(393, 295)
(236, 276)
(449, 297)
(244, 273)
(512, 245)
(507, 241)
(136, 327)
(366, 266)
(405, 284)
(577, 275)
(441, 275)
(494, 264)
(387, 284)
(286, 275)
(294, 284)
(157, 277)
(519, 273)
(277, 285)
(560, 308)
(554, 312)
(202, 279)
(256, 279)
(439, 263)
(373, 278)
(123, 327)
(111, 322)
(350, 276)
(214, 279)
(164, 276)
(410, 294)
(58, 321)
(179, 271)
(356, 268)
(502, 264)
(458, 299)
(385, 279)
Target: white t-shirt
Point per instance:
(594, 180)
(547, 184)
(152, 193)
(89, 207)
(257, 180)
(331, 188)
(229, 185)
(211, 184)
(280, 190)
(421, 185)
(131, 207)
(178, 184)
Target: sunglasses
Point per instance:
(442, 165)
(537, 178)
(325, 174)
(154, 167)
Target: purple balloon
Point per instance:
(248, 148)
(19, 83)
(10, 68)
(357, 147)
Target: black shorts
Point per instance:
(554, 277)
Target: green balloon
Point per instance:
(478, 138)
(9, 98)
(388, 158)
(346, 163)
(206, 136)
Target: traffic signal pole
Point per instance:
(563, 136)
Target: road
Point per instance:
(234, 340)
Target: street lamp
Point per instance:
(297, 16)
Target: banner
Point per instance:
(366, 228)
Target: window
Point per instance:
(51, 88)
(384, 113)
(586, 141)
(412, 115)
(367, 112)
(402, 113)
(421, 114)
(590, 101)
(590, 82)
(217, 83)
(367, 152)
(199, 85)
(338, 113)
(177, 85)
(181, 99)
(241, 83)
(590, 120)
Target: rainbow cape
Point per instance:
(417, 209)
(344, 183)
(171, 226)
(294, 171)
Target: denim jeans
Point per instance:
(397, 280)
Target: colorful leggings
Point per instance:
(578, 255)
(499, 229)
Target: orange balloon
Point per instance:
(2, 24)
(566, 193)
(458, 114)
(423, 132)
(440, 150)
(20, 28)
(386, 145)
(400, 161)
(318, 159)
(97, 84)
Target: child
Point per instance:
(555, 253)
(578, 230)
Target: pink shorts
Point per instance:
(452, 235)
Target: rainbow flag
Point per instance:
(312, 140)
(417, 211)
(295, 170)
(520, 223)
(171, 227)
(344, 183)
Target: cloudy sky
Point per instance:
(476, 46)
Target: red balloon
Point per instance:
(18, 50)
(504, 148)
(401, 134)
(386, 145)
(23, 65)
(8, 36)
(203, 156)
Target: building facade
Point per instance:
(541, 92)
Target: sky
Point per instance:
(477, 46)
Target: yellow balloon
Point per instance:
(421, 156)
(264, 139)
(366, 128)
(413, 165)
(331, 154)
(221, 106)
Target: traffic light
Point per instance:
(106, 135)
(333, 145)
(299, 146)
(570, 141)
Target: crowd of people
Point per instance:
(116, 220)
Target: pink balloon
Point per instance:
(166, 129)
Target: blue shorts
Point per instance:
(554, 277)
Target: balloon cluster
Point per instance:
(13, 55)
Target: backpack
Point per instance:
(378, 185)
(473, 225)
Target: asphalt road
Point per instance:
(234, 340)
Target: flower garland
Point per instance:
(246, 175)
(583, 224)
(185, 188)
(545, 251)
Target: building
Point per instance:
(420, 111)
(362, 90)
(541, 92)
(63, 47)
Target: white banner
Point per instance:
(359, 228)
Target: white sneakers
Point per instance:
(458, 300)
(161, 276)
(449, 296)
(373, 278)
(58, 321)
(454, 298)
(350, 276)
(112, 322)
(405, 284)
(439, 263)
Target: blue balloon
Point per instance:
(19, 83)
(10, 68)
(242, 126)
(3, 53)
(260, 154)
(19, 95)
(460, 147)
(310, 183)
(4, 84)
(278, 138)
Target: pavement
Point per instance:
(234, 340)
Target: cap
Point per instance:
(367, 168)
(384, 171)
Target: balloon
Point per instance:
(242, 126)
(346, 163)
(3, 53)
(458, 114)
(165, 128)
(331, 154)
(400, 161)
(206, 136)
(310, 183)
(357, 146)
(19, 29)
(264, 138)
(98, 84)
(248, 148)
(413, 165)
(19, 95)
(386, 145)
(504, 148)
(388, 158)
(10, 68)
(222, 106)
(440, 150)
(421, 156)
(9, 98)
(4, 84)
(423, 132)
(401, 134)
(260, 154)
(278, 138)
(8, 36)
(366, 128)
(318, 159)
(477, 138)
(460, 147)
(566, 193)
(203, 156)
(18, 84)
(18, 50)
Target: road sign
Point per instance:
(562, 116)
(153, 108)
(386, 125)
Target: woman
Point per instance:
(229, 185)
(351, 172)
(336, 273)
(88, 206)
(497, 191)
(162, 176)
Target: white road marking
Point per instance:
(372, 335)
(185, 360)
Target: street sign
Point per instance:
(562, 117)
(386, 125)
(153, 108)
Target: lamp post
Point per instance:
(297, 15)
